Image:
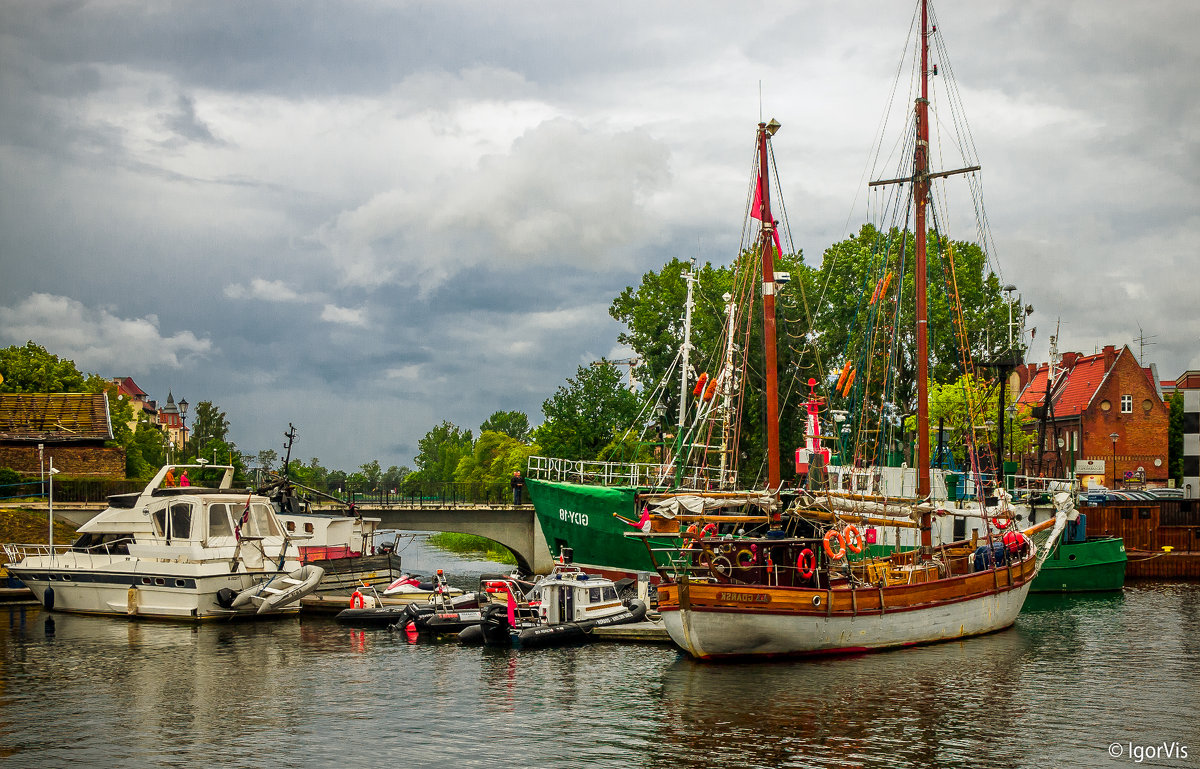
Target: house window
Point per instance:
(1126, 404)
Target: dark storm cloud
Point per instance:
(365, 218)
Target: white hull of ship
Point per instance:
(130, 588)
(714, 633)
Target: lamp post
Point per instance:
(1114, 437)
(53, 472)
(183, 407)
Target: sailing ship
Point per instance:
(790, 587)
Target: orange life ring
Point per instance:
(806, 563)
(853, 544)
(708, 527)
(1000, 522)
(357, 601)
(841, 551)
(692, 532)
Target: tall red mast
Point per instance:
(767, 241)
(921, 197)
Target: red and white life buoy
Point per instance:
(806, 563)
(356, 600)
(840, 553)
(853, 539)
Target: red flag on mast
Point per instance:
(756, 213)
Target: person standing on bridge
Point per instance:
(517, 483)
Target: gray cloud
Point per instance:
(367, 217)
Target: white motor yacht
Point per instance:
(173, 552)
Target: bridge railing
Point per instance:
(641, 474)
(436, 495)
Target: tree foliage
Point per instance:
(1175, 438)
(514, 424)
(30, 368)
(493, 459)
(951, 405)
(439, 452)
(583, 416)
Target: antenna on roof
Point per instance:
(1144, 342)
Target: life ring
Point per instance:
(1001, 522)
(357, 601)
(806, 563)
(841, 551)
(708, 527)
(692, 532)
(744, 558)
(853, 543)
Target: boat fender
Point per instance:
(225, 597)
(853, 538)
(744, 558)
(356, 600)
(48, 598)
(699, 388)
(831, 535)
(806, 563)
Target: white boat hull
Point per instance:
(152, 590)
(713, 633)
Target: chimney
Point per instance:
(1069, 359)
(1110, 355)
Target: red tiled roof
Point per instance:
(1035, 392)
(1082, 380)
(54, 417)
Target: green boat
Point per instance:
(580, 517)
(1082, 564)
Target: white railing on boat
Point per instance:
(18, 553)
(640, 474)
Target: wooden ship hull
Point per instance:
(714, 620)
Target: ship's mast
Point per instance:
(681, 455)
(921, 197)
(767, 240)
(727, 375)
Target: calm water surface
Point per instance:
(1074, 676)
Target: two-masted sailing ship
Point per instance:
(806, 570)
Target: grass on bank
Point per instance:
(473, 545)
(20, 526)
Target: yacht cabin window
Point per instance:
(218, 520)
(262, 523)
(173, 522)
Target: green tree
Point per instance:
(31, 369)
(952, 404)
(1175, 438)
(514, 424)
(585, 415)
(493, 460)
(209, 427)
(849, 327)
(373, 474)
(439, 452)
(393, 477)
(267, 458)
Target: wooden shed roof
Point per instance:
(55, 417)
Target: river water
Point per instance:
(1075, 682)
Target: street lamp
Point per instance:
(183, 407)
(1114, 437)
(53, 472)
(1008, 290)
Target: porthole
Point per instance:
(816, 600)
(1071, 557)
(180, 583)
(291, 525)
(145, 580)
(160, 581)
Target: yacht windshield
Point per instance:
(218, 520)
(262, 523)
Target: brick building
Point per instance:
(70, 427)
(1092, 398)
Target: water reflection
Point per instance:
(909, 705)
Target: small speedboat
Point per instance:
(409, 598)
(563, 607)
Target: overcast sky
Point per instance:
(366, 217)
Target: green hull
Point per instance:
(581, 517)
(1080, 567)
